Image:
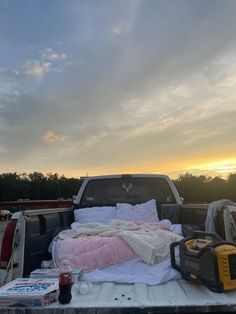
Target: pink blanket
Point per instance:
(93, 252)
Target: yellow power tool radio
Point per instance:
(206, 259)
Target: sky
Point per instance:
(118, 86)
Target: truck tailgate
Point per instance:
(172, 297)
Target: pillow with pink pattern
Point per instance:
(140, 212)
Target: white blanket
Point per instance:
(134, 271)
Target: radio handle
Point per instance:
(172, 256)
(213, 235)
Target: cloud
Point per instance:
(50, 61)
(115, 30)
(163, 84)
(35, 68)
(50, 137)
(52, 56)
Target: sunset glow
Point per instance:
(118, 87)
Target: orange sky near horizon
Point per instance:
(220, 168)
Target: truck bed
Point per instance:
(176, 296)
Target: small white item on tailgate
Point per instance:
(84, 287)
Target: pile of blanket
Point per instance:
(125, 243)
(92, 246)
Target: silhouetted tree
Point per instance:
(231, 186)
(216, 189)
(200, 189)
(36, 186)
(191, 188)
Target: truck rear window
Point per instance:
(129, 190)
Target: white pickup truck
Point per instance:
(29, 234)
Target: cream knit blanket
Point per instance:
(149, 241)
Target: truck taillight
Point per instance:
(7, 242)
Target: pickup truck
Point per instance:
(29, 233)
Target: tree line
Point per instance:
(36, 186)
(202, 189)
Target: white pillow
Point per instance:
(103, 214)
(141, 212)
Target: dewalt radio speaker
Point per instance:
(206, 259)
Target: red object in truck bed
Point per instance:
(37, 204)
